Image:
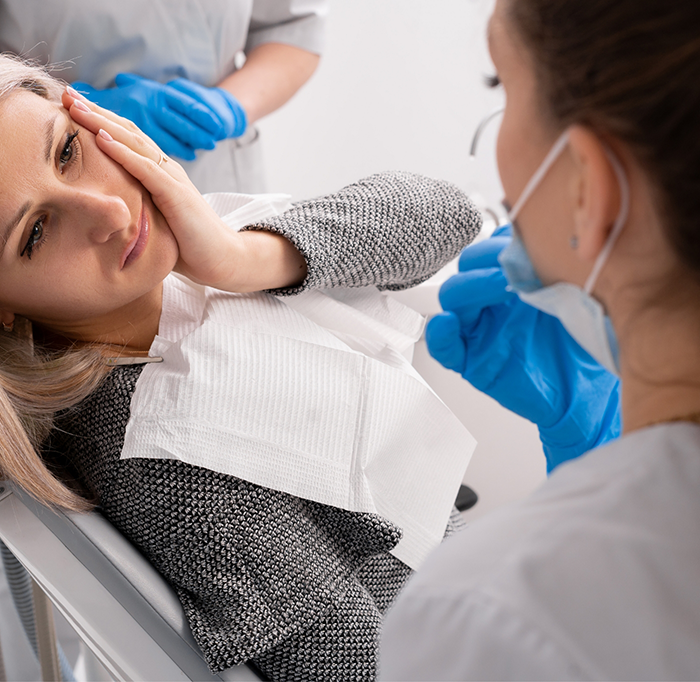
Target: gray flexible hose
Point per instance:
(20, 584)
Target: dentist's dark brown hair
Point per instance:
(629, 69)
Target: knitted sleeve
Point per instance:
(392, 230)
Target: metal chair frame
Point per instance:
(119, 605)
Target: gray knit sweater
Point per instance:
(297, 587)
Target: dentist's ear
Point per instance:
(596, 192)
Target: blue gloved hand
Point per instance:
(175, 121)
(522, 357)
(228, 110)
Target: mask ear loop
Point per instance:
(535, 180)
(619, 221)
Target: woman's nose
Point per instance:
(104, 215)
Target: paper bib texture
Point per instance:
(311, 395)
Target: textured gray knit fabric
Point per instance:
(260, 574)
(392, 230)
(297, 587)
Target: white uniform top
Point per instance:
(162, 40)
(595, 576)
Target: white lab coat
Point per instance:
(595, 576)
(94, 40)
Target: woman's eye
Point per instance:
(69, 151)
(35, 236)
(492, 81)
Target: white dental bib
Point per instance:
(311, 395)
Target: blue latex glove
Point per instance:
(231, 115)
(175, 121)
(522, 357)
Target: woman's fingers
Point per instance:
(207, 246)
(93, 117)
(202, 237)
(71, 95)
(149, 171)
(172, 145)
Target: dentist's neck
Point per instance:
(660, 359)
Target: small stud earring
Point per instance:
(574, 242)
(8, 327)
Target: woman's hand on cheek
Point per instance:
(211, 253)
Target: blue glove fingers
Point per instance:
(169, 144)
(611, 423)
(194, 90)
(445, 343)
(183, 129)
(84, 89)
(483, 254)
(183, 104)
(104, 98)
(592, 418)
(205, 96)
(122, 80)
(239, 118)
(503, 231)
(468, 293)
(143, 101)
(525, 359)
(199, 113)
(509, 357)
(505, 351)
(221, 102)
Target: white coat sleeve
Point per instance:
(471, 636)
(300, 23)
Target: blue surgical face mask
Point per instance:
(581, 314)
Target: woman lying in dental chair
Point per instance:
(95, 221)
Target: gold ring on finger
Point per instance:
(163, 159)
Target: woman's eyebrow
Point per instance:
(49, 136)
(9, 228)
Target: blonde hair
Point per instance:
(34, 384)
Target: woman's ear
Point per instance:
(7, 320)
(596, 192)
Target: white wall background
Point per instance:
(401, 87)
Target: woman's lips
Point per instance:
(137, 246)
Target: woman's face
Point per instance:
(80, 239)
(546, 220)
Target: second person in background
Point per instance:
(173, 68)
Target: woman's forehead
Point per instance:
(25, 115)
(28, 125)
